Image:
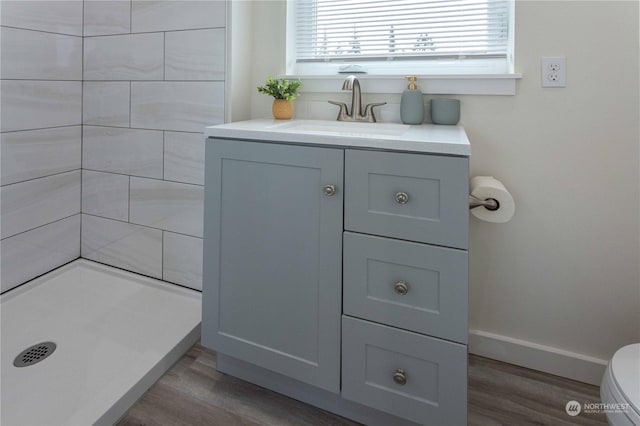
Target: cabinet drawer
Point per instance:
(410, 196)
(408, 285)
(435, 391)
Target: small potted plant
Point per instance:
(284, 91)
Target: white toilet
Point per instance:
(621, 385)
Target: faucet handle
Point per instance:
(368, 111)
(343, 114)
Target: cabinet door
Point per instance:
(273, 257)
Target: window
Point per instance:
(400, 36)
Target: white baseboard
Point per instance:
(551, 360)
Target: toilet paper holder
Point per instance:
(489, 204)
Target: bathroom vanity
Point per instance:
(335, 265)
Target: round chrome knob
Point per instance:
(402, 197)
(400, 377)
(329, 190)
(401, 288)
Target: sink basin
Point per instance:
(342, 128)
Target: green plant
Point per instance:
(281, 88)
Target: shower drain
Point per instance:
(34, 354)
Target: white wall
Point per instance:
(564, 272)
(558, 287)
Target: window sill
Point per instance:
(452, 84)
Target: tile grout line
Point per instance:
(45, 80)
(45, 128)
(81, 130)
(107, 80)
(134, 224)
(129, 202)
(129, 175)
(121, 127)
(163, 159)
(47, 32)
(51, 223)
(162, 255)
(51, 175)
(131, 32)
(130, 100)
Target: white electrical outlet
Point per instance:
(553, 71)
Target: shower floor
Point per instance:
(116, 333)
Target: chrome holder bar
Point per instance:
(489, 204)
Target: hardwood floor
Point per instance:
(193, 393)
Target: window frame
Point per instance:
(472, 77)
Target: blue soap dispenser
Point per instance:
(411, 105)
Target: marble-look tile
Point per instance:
(27, 205)
(127, 151)
(182, 260)
(51, 56)
(106, 103)
(169, 15)
(27, 105)
(124, 57)
(184, 157)
(103, 17)
(179, 106)
(171, 206)
(195, 55)
(132, 247)
(38, 251)
(105, 195)
(32, 154)
(57, 16)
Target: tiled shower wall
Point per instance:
(153, 79)
(123, 90)
(40, 140)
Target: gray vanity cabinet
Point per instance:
(366, 318)
(273, 257)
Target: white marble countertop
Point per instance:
(425, 138)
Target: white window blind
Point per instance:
(395, 30)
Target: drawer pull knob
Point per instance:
(402, 197)
(329, 190)
(400, 377)
(401, 288)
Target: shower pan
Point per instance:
(82, 343)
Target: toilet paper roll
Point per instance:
(484, 187)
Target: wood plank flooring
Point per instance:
(193, 393)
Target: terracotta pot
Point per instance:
(282, 109)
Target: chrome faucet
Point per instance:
(356, 114)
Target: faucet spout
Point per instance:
(352, 83)
(355, 113)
